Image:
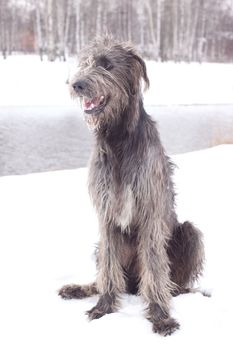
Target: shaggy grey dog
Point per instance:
(143, 249)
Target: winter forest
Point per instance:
(178, 30)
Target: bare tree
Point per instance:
(39, 29)
(50, 31)
(67, 24)
(79, 26)
(195, 13)
(158, 28)
(3, 28)
(175, 4)
(60, 27)
(162, 29)
(151, 22)
(12, 26)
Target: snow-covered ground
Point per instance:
(48, 230)
(27, 81)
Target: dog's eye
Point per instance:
(104, 62)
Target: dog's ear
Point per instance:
(140, 62)
(143, 70)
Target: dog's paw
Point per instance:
(72, 291)
(166, 326)
(96, 313)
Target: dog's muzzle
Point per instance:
(79, 86)
(91, 105)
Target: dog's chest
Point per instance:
(114, 200)
(124, 207)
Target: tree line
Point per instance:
(178, 30)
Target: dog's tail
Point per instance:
(186, 254)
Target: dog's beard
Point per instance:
(108, 117)
(90, 110)
(93, 109)
(92, 121)
(101, 110)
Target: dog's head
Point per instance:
(108, 80)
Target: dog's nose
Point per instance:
(79, 86)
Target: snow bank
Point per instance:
(48, 230)
(27, 81)
(189, 83)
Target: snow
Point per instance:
(48, 228)
(27, 81)
(48, 231)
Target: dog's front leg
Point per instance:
(105, 305)
(155, 284)
(110, 276)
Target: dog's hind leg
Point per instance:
(186, 254)
(155, 284)
(75, 291)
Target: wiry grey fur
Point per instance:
(142, 248)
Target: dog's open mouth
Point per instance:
(94, 105)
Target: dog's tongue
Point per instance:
(91, 103)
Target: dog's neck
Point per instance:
(125, 124)
(125, 134)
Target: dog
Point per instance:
(143, 249)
